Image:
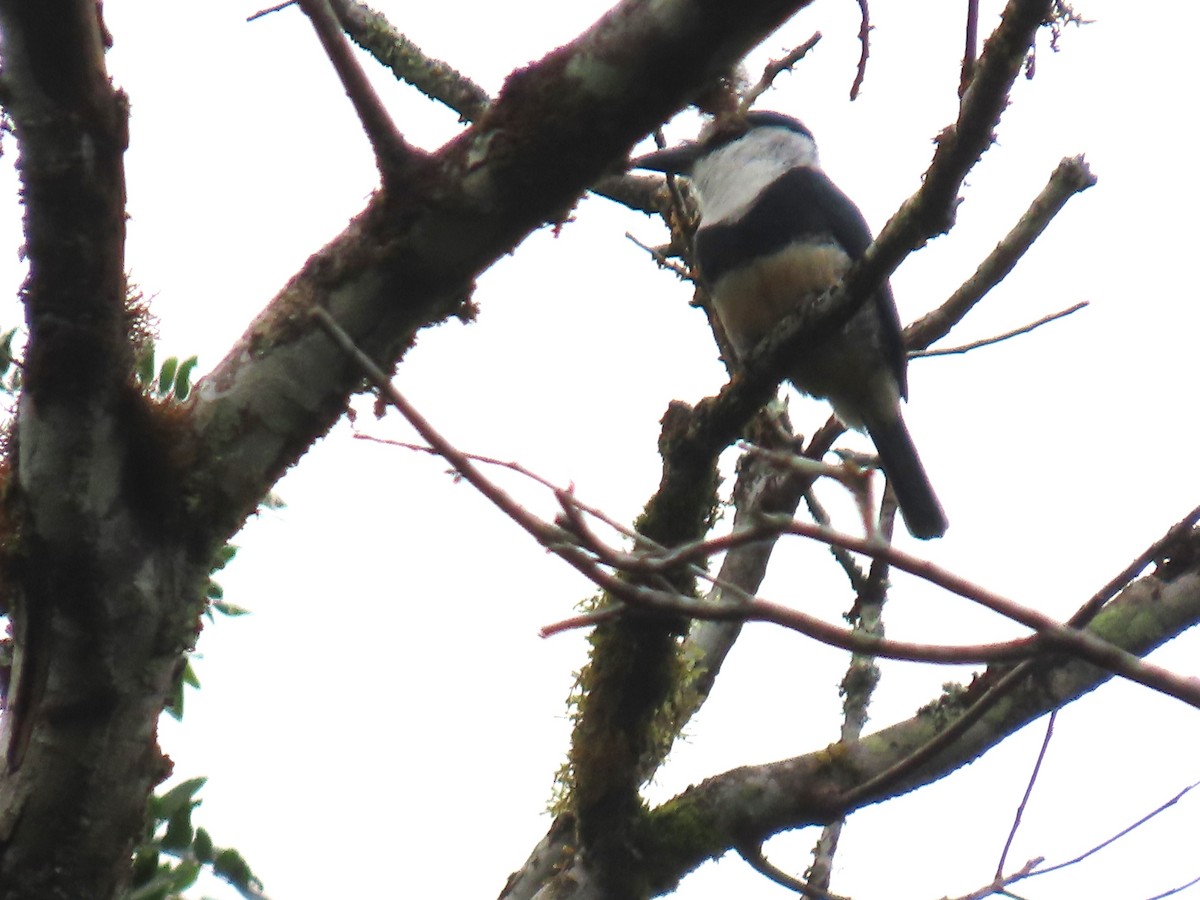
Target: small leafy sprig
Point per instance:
(174, 853)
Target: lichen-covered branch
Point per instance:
(749, 804)
(91, 548)
(434, 78)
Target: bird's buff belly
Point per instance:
(847, 367)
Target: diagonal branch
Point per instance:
(393, 155)
(1070, 177)
(747, 805)
(411, 257)
(432, 77)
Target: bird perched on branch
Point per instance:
(774, 234)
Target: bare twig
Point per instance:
(999, 884)
(853, 476)
(854, 573)
(859, 682)
(393, 154)
(754, 857)
(1081, 643)
(1037, 767)
(1176, 890)
(661, 259)
(544, 533)
(1070, 177)
(1163, 807)
(864, 40)
(984, 342)
(1155, 551)
(755, 612)
(269, 10)
(1030, 870)
(1009, 680)
(800, 622)
(775, 68)
(971, 46)
(639, 540)
(563, 543)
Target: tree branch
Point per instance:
(434, 78)
(77, 752)
(1070, 177)
(410, 258)
(393, 155)
(751, 803)
(999, 338)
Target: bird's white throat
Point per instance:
(727, 180)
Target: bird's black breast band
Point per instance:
(803, 205)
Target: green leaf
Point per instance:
(158, 889)
(189, 676)
(183, 378)
(145, 865)
(214, 591)
(202, 846)
(223, 556)
(179, 831)
(230, 866)
(178, 797)
(166, 375)
(6, 354)
(174, 705)
(184, 875)
(272, 501)
(145, 367)
(230, 609)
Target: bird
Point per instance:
(774, 233)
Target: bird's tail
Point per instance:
(918, 504)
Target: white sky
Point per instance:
(387, 722)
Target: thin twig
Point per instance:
(1154, 552)
(864, 40)
(269, 10)
(393, 154)
(757, 611)
(1120, 834)
(563, 543)
(971, 47)
(638, 539)
(661, 259)
(999, 884)
(859, 683)
(984, 342)
(547, 535)
(1083, 644)
(854, 573)
(1009, 680)
(1070, 176)
(754, 857)
(1037, 768)
(1030, 870)
(775, 68)
(795, 620)
(1176, 890)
